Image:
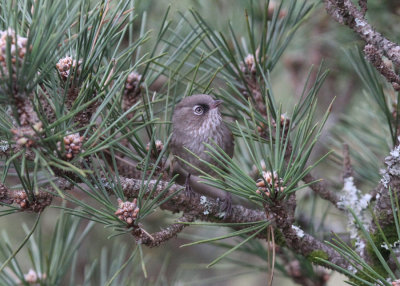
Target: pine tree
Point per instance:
(87, 93)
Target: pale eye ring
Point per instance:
(198, 110)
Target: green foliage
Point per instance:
(390, 236)
(203, 55)
(380, 246)
(51, 261)
(317, 255)
(367, 141)
(54, 258)
(290, 170)
(99, 37)
(253, 230)
(375, 88)
(96, 42)
(44, 23)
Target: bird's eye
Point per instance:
(198, 110)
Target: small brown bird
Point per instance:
(197, 120)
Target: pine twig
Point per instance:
(321, 189)
(374, 56)
(157, 238)
(345, 12)
(363, 6)
(347, 169)
(40, 201)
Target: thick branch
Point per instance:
(282, 213)
(208, 209)
(195, 207)
(307, 244)
(204, 208)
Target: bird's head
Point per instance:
(197, 112)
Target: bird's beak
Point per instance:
(216, 103)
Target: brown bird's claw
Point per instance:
(226, 205)
(188, 190)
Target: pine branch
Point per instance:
(197, 207)
(390, 180)
(282, 213)
(347, 169)
(363, 6)
(376, 46)
(321, 189)
(346, 13)
(8, 150)
(208, 209)
(91, 102)
(36, 204)
(202, 207)
(374, 56)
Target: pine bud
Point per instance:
(131, 91)
(21, 199)
(127, 211)
(269, 181)
(27, 136)
(65, 65)
(31, 277)
(159, 146)
(249, 65)
(72, 145)
(132, 82)
(17, 50)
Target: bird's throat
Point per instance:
(211, 124)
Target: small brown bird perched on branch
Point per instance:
(197, 120)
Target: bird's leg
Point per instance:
(171, 164)
(188, 189)
(226, 205)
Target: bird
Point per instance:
(197, 120)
